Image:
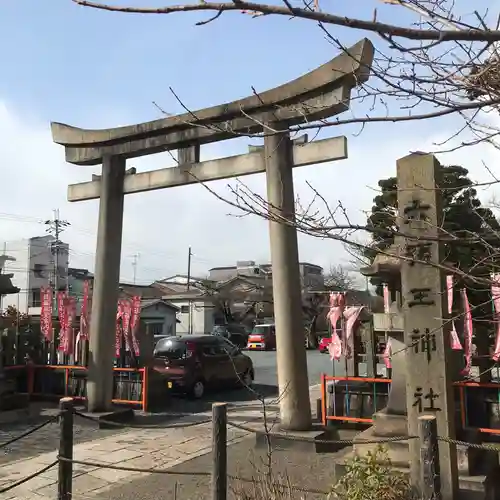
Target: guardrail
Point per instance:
(343, 395)
(347, 400)
(57, 381)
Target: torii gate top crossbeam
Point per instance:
(316, 95)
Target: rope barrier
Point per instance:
(137, 426)
(477, 446)
(27, 478)
(30, 431)
(171, 472)
(101, 465)
(305, 439)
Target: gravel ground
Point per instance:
(309, 470)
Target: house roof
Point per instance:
(262, 266)
(151, 302)
(255, 281)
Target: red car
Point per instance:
(324, 343)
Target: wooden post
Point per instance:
(430, 481)
(429, 358)
(65, 479)
(219, 451)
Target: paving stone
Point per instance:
(82, 485)
(118, 456)
(113, 475)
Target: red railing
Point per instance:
(462, 388)
(32, 369)
(347, 418)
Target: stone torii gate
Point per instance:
(317, 95)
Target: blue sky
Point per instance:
(94, 69)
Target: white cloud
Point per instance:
(162, 225)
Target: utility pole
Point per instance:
(55, 227)
(190, 325)
(135, 261)
(2, 271)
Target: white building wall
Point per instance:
(201, 321)
(162, 314)
(32, 269)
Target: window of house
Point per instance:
(38, 270)
(36, 298)
(156, 328)
(184, 309)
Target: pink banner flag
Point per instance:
(126, 313)
(467, 332)
(387, 298)
(495, 295)
(118, 329)
(387, 354)
(46, 312)
(134, 322)
(61, 311)
(337, 306)
(351, 315)
(455, 341)
(69, 304)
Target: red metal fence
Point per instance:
(357, 404)
(57, 381)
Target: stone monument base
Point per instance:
(479, 471)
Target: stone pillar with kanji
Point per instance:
(429, 358)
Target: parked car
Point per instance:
(237, 334)
(262, 338)
(194, 363)
(324, 343)
(157, 338)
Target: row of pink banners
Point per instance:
(467, 322)
(127, 320)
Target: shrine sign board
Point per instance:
(429, 360)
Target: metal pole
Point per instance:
(190, 319)
(219, 451)
(2, 271)
(65, 477)
(295, 406)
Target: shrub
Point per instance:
(372, 477)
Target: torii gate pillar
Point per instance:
(295, 412)
(106, 284)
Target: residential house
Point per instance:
(196, 305)
(159, 316)
(33, 268)
(311, 275)
(247, 297)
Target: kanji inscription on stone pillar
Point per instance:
(427, 333)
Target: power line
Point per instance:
(126, 243)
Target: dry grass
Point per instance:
(366, 478)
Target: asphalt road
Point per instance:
(266, 368)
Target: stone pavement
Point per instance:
(144, 448)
